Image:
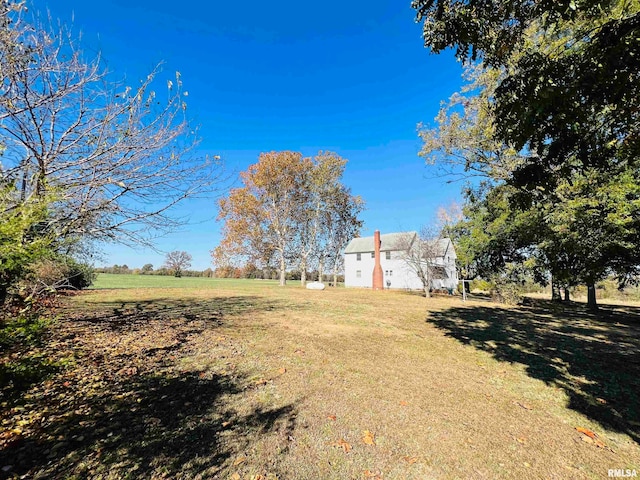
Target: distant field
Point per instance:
(245, 380)
(110, 280)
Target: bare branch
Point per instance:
(120, 156)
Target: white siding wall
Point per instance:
(449, 263)
(352, 266)
(394, 270)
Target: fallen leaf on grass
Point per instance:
(587, 432)
(282, 371)
(260, 382)
(239, 461)
(370, 474)
(235, 476)
(225, 424)
(524, 405)
(332, 417)
(410, 460)
(403, 403)
(368, 438)
(299, 351)
(591, 437)
(342, 443)
(521, 440)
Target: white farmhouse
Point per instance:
(359, 262)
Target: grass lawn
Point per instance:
(110, 281)
(247, 380)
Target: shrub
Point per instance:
(480, 284)
(79, 275)
(509, 293)
(508, 286)
(57, 273)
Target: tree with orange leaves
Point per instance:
(260, 218)
(277, 217)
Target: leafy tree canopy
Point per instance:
(570, 82)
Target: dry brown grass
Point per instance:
(267, 382)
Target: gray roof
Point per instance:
(388, 241)
(393, 242)
(441, 246)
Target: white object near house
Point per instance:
(315, 286)
(359, 260)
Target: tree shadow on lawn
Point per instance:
(595, 359)
(147, 427)
(131, 411)
(123, 314)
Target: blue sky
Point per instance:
(349, 76)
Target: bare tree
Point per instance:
(448, 217)
(177, 261)
(117, 157)
(322, 181)
(340, 223)
(418, 252)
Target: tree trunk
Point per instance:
(426, 284)
(592, 304)
(303, 272)
(283, 272)
(555, 292)
(320, 268)
(566, 295)
(3, 294)
(335, 274)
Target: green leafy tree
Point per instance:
(580, 229)
(462, 144)
(570, 85)
(24, 237)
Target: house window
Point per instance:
(358, 273)
(373, 254)
(386, 272)
(358, 257)
(388, 255)
(391, 273)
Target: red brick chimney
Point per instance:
(377, 269)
